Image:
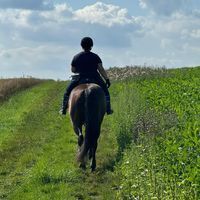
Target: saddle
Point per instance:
(81, 79)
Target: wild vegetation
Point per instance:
(10, 86)
(117, 73)
(148, 149)
(161, 115)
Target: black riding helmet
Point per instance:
(86, 43)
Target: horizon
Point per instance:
(111, 68)
(39, 38)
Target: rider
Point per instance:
(89, 66)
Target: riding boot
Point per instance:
(64, 107)
(109, 111)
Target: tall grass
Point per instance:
(127, 104)
(124, 73)
(10, 86)
(162, 162)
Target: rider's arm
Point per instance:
(102, 71)
(73, 69)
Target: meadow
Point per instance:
(148, 149)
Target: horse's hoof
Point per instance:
(82, 166)
(80, 140)
(93, 169)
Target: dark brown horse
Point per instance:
(87, 106)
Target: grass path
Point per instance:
(14, 111)
(38, 150)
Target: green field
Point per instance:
(148, 149)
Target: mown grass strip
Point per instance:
(39, 163)
(23, 138)
(14, 111)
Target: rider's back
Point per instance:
(86, 62)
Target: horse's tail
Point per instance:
(94, 112)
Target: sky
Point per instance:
(40, 37)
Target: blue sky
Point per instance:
(40, 37)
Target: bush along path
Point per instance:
(38, 151)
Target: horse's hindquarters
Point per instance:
(76, 111)
(87, 106)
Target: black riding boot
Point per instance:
(64, 107)
(109, 111)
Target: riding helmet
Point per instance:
(86, 43)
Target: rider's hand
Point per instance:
(108, 83)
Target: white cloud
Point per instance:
(142, 4)
(60, 14)
(63, 24)
(178, 25)
(14, 17)
(104, 14)
(164, 7)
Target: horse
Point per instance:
(87, 107)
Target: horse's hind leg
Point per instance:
(93, 154)
(82, 166)
(80, 140)
(90, 153)
(78, 131)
